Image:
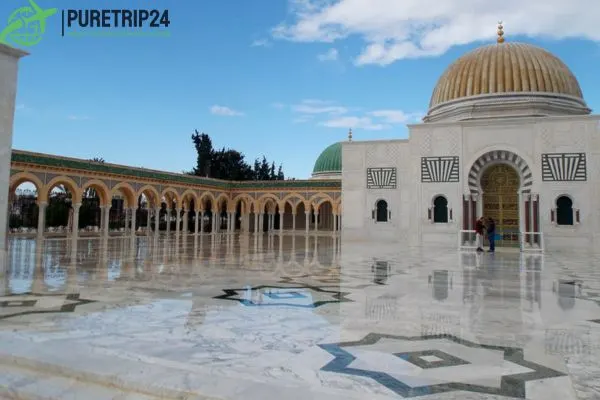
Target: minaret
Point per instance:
(500, 33)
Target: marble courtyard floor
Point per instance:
(294, 317)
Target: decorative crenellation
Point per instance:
(563, 167)
(440, 169)
(381, 178)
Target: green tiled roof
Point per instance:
(330, 160)
(47, 160)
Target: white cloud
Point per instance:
(78, 117)
(225, 111)
(261, 43)
(396, 116)
(279, 106)
(312, 106)
(393, 29)
(355, 123)
(330, 55)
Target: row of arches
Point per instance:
(64, 205)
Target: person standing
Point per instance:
(479, 230)
(491, 233)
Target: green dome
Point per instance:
(330, 160)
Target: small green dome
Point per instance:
(330, 160)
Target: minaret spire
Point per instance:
(350, 135)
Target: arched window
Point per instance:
(382, 211)
(564, 211)
(440, 210)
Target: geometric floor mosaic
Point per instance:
(435, 368)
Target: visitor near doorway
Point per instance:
(491, 233)
(479, 229)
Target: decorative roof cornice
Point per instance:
(80, 165)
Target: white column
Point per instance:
(133, 215)
(197, 221)
(255, 222)
(316, 222)
(186, 222)
(127, 220)
(178, 221)
(148, 221)
(157, 221)
(202, 213)
(307, 220)
(41, 219)
(281, 214)
(106, 221)
(168, 219)
(229, 222)
(75, 226)
(293, 221)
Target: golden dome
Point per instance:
(505, 68)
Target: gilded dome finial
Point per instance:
(500, 32)
(350, 135)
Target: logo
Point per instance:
(26, 25)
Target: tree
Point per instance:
(229, 164)
(204, 150)
(280, 175)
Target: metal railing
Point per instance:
(524, 241)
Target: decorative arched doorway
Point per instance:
(500, 185)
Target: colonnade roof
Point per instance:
(57, 162)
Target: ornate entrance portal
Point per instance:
(500, 185)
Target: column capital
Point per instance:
(42, 203)
(76, 205)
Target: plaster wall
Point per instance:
(9, 58)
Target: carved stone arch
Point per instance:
(104, 193)
(69, 184)
(496, 157)
(127, 191)
(22, 177)
(171, 193)
(267, 198)
(293, 199)
(337, 207)
(317, 199)
(186, 196)
(323, 201)
(152, 194)
(219, 201)
(202, 201)
(248, 205)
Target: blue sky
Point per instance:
(280, 78)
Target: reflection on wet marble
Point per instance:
(294, 317)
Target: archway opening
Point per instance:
(500, 185)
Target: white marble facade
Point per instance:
(527, 138)
(9, 58)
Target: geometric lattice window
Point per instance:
(564, 211)
(557, 167)
(381, 178)
(439, 169)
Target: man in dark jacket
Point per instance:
(479, 230)
(491, 233)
